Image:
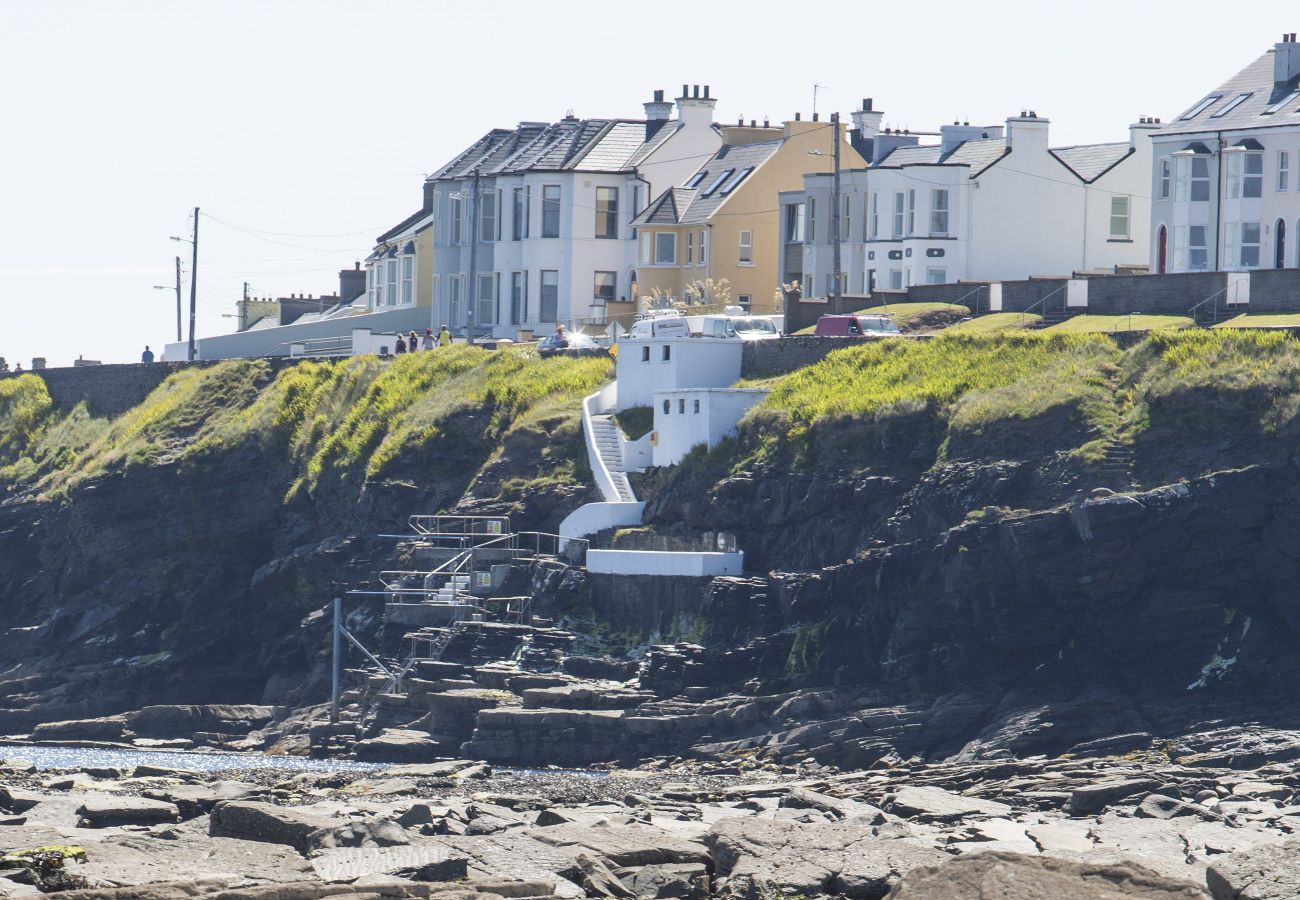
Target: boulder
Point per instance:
(194, 800)
(677, 881)
(400, 745)
(761, 857)
(933, 804)
(253, 820)
(378, 833)
(1011, 876)
(623, 845)
(177, 721)
(104, 811)
(1270, 872)
(596, 878)
(1093, 798)
(108, 728)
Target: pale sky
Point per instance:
(310, 123)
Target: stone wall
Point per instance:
(763, 359)
(113, 389)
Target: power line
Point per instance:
(251, 230)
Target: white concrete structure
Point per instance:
(1224, 174)
(620, 507)
(979, 203)
(344, 336)
(532, 225)
(648, 365)
(665, 562)
(689, 417)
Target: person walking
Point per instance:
(444, 337)
(147, 356)
(412, 342)
(401, 344)
(426, 342)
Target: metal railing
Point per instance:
(1041, 301)
(461, 531)
(1212, 298)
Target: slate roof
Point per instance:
(1257, 81)
(687, 206)
(979, 155)
(912, 155)
(1090, 161)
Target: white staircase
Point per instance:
(609, 443)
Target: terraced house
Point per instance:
(531, 226)
(1224, 181)
(720, 224)
(971, 202)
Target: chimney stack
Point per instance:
(867, 120)
(1027, 132)
(1286, 60)
(657, 112)
(693, 109)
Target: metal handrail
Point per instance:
(1024, 312)
(1215, 297)
(466, 526)
(970, 293)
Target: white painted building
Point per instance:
(1224, 181)
(690, 417)
(649, 365)
(532, 225)
(988, 202)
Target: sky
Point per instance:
(304, 128)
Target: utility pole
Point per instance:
(471, 295)
(836, 292)
(178, 299)
(194, 282)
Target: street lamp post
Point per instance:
(164, 287)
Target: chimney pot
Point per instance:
(866, 104)
(706, 92)
(686, 90)
(659, 96)
(695, 90)
(356, 266)
(766, 122)
(740, 121)
(814, 117)
(796, 117)
(753, 123)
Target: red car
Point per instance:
(855, 326)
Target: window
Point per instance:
(896, 277)
(1164, 179)
(487, 217)
(374, 287)
(696, 179)
(899, 199)
(846, 225)
(697, 406)
(1200, 182)
(1119, 207)
(607, 213)
(665, 248)
(1283, 170)
(794, 223)
(646, 237)
(603, 287)
(519, 222)
(911, 211)
(391, 293)
(717, 182)
(690, 247)
(1281, 104)
(550, 211)
(735, 182)
(704, 247)
(936, 276)
(807, 287)
(668, 404)
(455, 298)
(408, 269)
(875, 216)
(1230, 106)
(1244, 175)
(812, 220)
(636, 200)
(517, 311)
(1201, 107)
(1241, 245)
(1198, 254)
(645, 357)
(483, 311)
(745, 300)
(457, 216)
(667, 353)
(746, 248)
(939, 214)
(550, 295)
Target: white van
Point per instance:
(747, 328)
(659, 327)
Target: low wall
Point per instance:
(764, 359)
(591, 518)
(275, 341)
(653, 562)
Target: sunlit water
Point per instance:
(110, 757)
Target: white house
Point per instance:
(532, 225)
(648, 365)
(1224, 181)
(688, 417)
(987, 202)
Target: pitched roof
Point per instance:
(1256, 81)
(911, 155)
(691, 206)
(979, 155)
(1090, 161)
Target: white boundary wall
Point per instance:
(664, 562)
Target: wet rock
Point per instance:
(183, 721)
(1093, 798)
(108, 728)
(399, 745)
(104, 811)
(1007, 876)
(1262, 873)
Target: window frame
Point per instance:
(875, 215)
(408, 279)
(1165, 178)
(608, 216)
(659, 258)
(555, 300)
(936, 211)
(1123, 219)
(551, 210)
(900, 211)
(1283, 181)
(746, 250)
(597, 298)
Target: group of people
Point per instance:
(411, 342)
(4, 365)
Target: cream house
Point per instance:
(712, 238)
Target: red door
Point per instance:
(1160, 251)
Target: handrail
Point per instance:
(434, 525)
(1223, 290)
(604, 480)
(969, 293)
(1024, 312)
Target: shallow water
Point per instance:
(46, 757)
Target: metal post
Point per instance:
(836, 290)
(194, 276)
(178, 300)
(337, 660)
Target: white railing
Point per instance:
(598, 403)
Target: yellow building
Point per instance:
(714, 239)
(399, 271)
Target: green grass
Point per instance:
(1091, 324)
(636, 421)
(919, 316)
(995, 322)
(25, 408)
(1262, 320)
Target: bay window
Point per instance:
(939, 213)
(665, 248)
(550, 295)
(408, 270)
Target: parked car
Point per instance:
(658, 327)
(855, 326)
(747, 328)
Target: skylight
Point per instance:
(735, 182)
(1202, 106)
(1285, 101)
(713, 186)
(696, 179)
(1230, 105)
